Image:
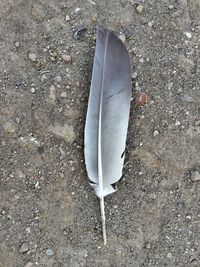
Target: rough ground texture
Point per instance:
(49, 214)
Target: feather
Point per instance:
(107, 115)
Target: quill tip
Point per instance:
(103, 219)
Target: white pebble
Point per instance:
(150, 24)
(32, 57)
(49, 252)
(171, 7)
(17, 44)
(195, 176)
(63, 94)
(155, 133)
(32, 90)
(139, 9)
(188, 35)
(134, 75)
(67, 18)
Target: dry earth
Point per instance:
(49, 214)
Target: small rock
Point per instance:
(49, 252)
(195, 176)
(66, 58)
(58, 79)
(177, 123)
(169, 255)
(150, 24)
(54, 53)
(24, 248)
(187, 98)
(44, 77)
(139, 9)
(63, 94)
(28, 264)
(53, 59)
(142, 99)
(155, 133)
(188, 35)
(38, 64)
(67, 18)
(134, 75)
(94, 18)
(32, 90)
(171, 7)
(3, 212)
(141, 60)
(32, 57)
(19, 83)
(17, 44)
(18, 120)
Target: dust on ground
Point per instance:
(49, 214)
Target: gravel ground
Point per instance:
(49, 213)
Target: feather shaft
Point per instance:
(103, 220)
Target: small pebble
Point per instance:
(49, 252)
(32, 57)
(177, 123)
(3, 212)
(18, 120)
(53, 59)
(32, 90)
(155, 133)
(171, 7)
(66, 58)
(67, 18)
(150, 24)
(18, 83)
(63, 94)
(94, 18)
(141, 60)
(187, 98)
(44, 77)
(58, 78)
(195, 176)
(17, 44)
(139, 9)
(54, 53)
(169, 255)
(134, 75)
(24, 248)
(188, 35)
(142, 99)
(28, 264)
(38, 65)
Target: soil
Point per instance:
(49, 213)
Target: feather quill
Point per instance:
(107, 115)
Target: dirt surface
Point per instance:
(49, 213)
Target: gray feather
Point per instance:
(108, 112)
